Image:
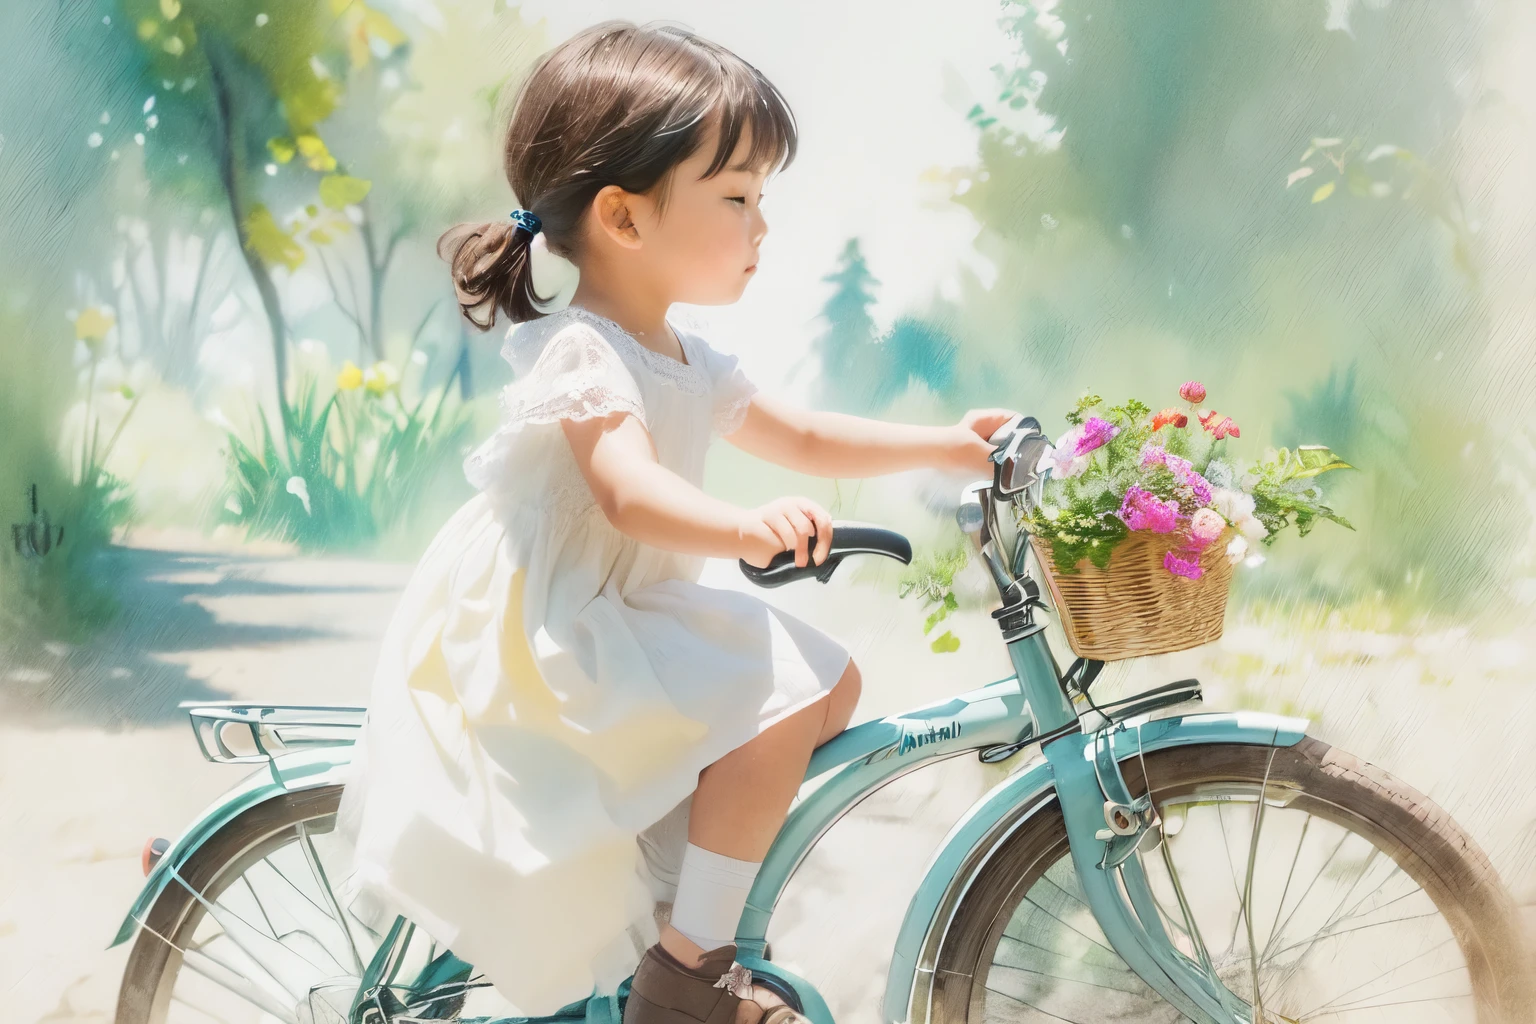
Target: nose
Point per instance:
(759, 226)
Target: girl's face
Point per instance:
(702, 247)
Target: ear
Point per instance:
(615, 214)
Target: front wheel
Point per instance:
(1348, 895)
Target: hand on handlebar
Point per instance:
(786, 524)
(974, 448)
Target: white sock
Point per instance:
(711, 892)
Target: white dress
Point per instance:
(549, 688)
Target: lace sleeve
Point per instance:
(573, 374)
(578, 376)
(731, 391)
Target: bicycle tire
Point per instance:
(1420, 837)
(153, 965)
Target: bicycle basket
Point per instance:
(1135, 607)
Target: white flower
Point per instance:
(1233, 505)
(1237, 549)
(1250, 527)
(1059, 458)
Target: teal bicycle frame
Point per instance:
(1077, 768)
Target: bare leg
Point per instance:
(769, 769)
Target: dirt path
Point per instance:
(95, 757)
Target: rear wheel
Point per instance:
(1349, 895)
(268, 940)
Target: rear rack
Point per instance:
(261, 732)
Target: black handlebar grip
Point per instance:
(847, 539)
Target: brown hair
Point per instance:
(616, 104)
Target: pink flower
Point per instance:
(1220, 426)
(1096, 434)
(1192, 392)
(1205, 526)
(1182, 566)
(1060, 458)
(1193, 490)
(1167, 416)
(1143, 510)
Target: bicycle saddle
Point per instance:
(848, 538)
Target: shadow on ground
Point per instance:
(128, 675)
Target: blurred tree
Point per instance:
(242, 87)
(915, 351)
(1166, 191)
(851, 364)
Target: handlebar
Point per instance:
(848, 538)
(1017, 445)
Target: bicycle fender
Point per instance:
(1012, 804)
(287, 773)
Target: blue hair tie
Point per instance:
(526, 220)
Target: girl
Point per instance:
(564, 726)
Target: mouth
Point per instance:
(751, 268)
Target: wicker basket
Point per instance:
(1135, 607)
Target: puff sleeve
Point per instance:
(578, 375)
(730, 390)
(575, 374)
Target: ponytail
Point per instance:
(616, 104)
(491, 270)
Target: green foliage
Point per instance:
(58, 510)
(931, 576)
(346, 471)
(1280, 491)
(1125, 470)
(1079, 412)
(1086, 527)
(1139, 230)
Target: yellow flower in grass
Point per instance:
(92, 326)
(350, 378)
(381, 377)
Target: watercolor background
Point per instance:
(1322, 210)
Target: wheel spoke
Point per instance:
(1232, 870)
(1295, 857)
(1352, 1007)
(1372, 980)
(1322, 932)
(1357, 928)
(318, 871)
(1345, 910)
(255, 986)
(1246, 910)
(1132, 983)
(1191, 929)
(1274, 937)
(1071, 928)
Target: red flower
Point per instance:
(1220, 426)
(1193, 392)
(1168, 416)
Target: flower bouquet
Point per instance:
(1143, 516)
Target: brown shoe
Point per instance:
(664, 991)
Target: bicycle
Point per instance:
(1063, 893)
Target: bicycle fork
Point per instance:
(1107, 830)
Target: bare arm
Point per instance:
(652, 504)
(838, 445)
